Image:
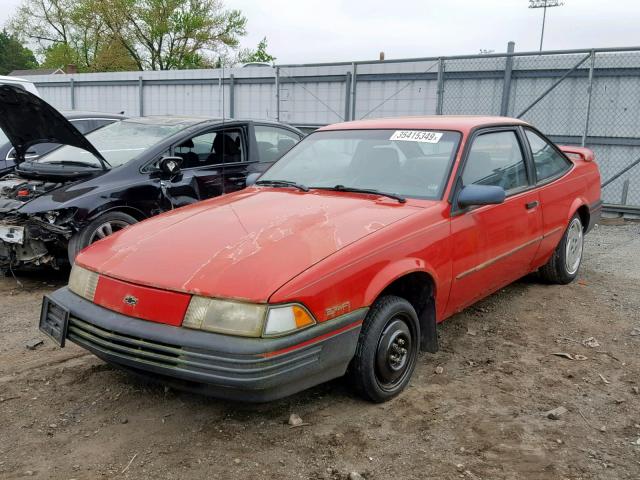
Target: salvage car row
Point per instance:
(341, 257)
(54, 205)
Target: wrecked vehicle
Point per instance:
(53, 206)
(85, 122)
(342, 257)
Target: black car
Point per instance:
(85, 122)
(53, 206)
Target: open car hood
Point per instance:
(28, 120)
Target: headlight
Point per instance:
(83, 282)
(244, 319)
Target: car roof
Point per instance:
(74, 114)
(194, 120)
(463, 123)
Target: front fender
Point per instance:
(393, 271)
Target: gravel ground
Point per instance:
(65, 414)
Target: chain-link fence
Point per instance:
(578, 97)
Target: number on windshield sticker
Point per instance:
(416, 136)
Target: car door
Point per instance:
(494, 245)
(205, 156)
(236, 157)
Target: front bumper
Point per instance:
(32, 243)
(248, 369)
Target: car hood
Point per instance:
(244, 245)
(28, 120)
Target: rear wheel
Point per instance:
(103, 226)
(563, 266)
(387, 349)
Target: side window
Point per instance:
(547, 160)
(212, 148)
(273, 142)
(496, 159)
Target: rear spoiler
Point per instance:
(585, 154)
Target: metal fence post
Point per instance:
(277, 80)
(140, 96)
(625, 192)
(72, 93)
(347, 95)
(506, 86)
(440, 86)
(354, 81)
(589, 92)
(232, 96)
(220, 95)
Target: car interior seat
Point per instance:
(190, 159)
(375, 166)
(268, 151)
(284, 145)
(225, 149)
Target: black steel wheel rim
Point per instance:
(395, 353)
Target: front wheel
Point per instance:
(387, 349)
(103, 226)
(563, 266)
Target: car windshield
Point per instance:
(118, 143)
(413, 163)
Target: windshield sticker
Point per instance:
(416, 136)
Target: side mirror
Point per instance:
(473, 195)
(252, 178)
(170, 166)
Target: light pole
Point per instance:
(544, 4)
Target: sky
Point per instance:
(306, 31)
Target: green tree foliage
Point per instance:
(260, 54)
(125, 34)
(13, 55)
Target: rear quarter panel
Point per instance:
(560, 199)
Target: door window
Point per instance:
(548, 162)
(212, 148)
(273, 142)
(496, 159)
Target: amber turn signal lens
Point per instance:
(302, 318)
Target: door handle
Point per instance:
(532, 205)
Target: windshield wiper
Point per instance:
(342, 188)
(283, 183)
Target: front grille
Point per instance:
(212, 364)
(124, 345)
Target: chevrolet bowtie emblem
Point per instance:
(130, 300)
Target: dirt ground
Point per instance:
(65, 414)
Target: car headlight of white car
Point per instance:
(245, 319)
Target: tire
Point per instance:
(563, 266)
(101, 227)
(387, 350)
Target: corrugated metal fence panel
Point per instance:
(319, 94)
(256, 101)
(59, 97)
(105, 98)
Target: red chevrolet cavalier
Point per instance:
(341, 258)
